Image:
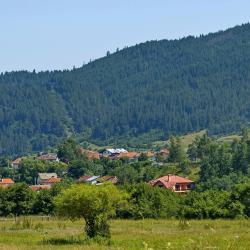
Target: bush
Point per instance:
(209, 204)
(151, 202)
(96, 204)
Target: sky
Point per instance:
(61, 34)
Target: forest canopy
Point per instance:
(173, 86)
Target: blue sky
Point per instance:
(60, 34)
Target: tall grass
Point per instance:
(28, 233)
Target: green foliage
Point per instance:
(149, 202)
(241, 198)
(29, 168)
(168, 86)
(96, 204)
(209, 204)
(78, 168)
(44, 202)
(68, 150)
(20, 199)
(176, 151)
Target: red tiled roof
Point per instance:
(170, 180)
(6, 181)
(129, 155)
(52, 180)
(91, 155)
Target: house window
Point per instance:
(177, 187)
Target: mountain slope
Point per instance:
(174, 86)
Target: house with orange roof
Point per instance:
(6, 182)
(91, 155)
(47, 179)
(128, 155)
(174, 182)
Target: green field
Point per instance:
(35, 233)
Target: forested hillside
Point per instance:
(173, 86)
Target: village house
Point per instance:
(47, 179)
(89, 179)
(128, 155)
(91, 155)
(15, 164)
(176, 183)
(111, 152)
(6, 182)
(164, 153)
(97, 180)
(48, 157)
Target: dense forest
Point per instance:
(173, 86)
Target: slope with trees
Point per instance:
(173, 87)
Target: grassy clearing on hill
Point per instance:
(35, 233)
(185, 139)
(229, 138)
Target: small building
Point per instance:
(97, 180)
(164, 153)
(48, 157)
(15, 164)
(6, 182)
(176, 183)
(89, 179)
(113, 152)
(47, 179)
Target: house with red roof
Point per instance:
(6, 182)
(128, 155)
(47, 179)
(174, 182)
(91, 155)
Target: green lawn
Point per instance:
(127, 234)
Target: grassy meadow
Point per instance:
(37, 233)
